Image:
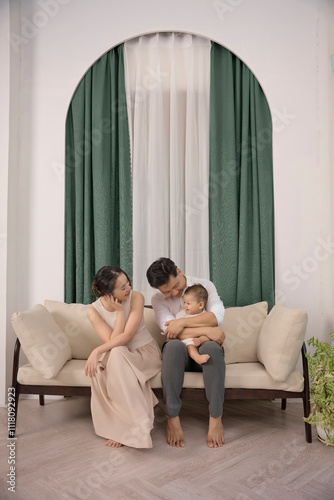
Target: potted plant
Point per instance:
(321, 368)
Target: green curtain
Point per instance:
(98, 203)
(241, 202)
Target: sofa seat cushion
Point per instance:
(255, 376)
(238, 376)
(72, 374)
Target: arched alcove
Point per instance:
(238, 191)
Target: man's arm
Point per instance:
(213, 317)
(176, 326)
(215, 304)
(162, 312)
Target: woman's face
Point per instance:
(122, 288)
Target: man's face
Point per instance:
(175, 286)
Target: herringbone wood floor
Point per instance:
(265, 456)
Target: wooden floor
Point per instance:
(265, 456)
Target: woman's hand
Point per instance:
(92, 362)
(118, 306)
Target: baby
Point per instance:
(194, 300)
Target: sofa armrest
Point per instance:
(16, 360)
(305, 372)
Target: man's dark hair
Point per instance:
(159, 272)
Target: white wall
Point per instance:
(286, 44)
(4, 148)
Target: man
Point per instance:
(164, 275)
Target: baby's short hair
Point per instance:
(199, 291)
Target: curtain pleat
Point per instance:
(241, 201)
(168, 85)
(98, 208)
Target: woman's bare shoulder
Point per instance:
(91, 312)
(137, 298)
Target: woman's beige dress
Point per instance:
(122, 401)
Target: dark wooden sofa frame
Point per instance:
(43, 390)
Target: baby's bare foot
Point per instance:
(199, 340)
(215, 433)
(203, 358)
(175, 436)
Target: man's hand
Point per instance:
(174, 328)
(217, 335)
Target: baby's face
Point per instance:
(191, 304)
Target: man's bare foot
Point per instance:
(113, 444)
(175, 435)
(215, 433)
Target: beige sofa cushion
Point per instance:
(238, 376)
(242, 326)
(255, 376)
(72, 319)
(152, 326)
(281, 339)
(43, 341)
(72, 374)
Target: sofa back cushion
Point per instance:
(43, 341)
(152, 326)
(281, 339)
(72, 319)
(242, 326)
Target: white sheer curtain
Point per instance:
(168, 86)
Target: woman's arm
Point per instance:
(131, 327)
(103, 330)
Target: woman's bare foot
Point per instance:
(215, 433)
(113, 444)
(175, 436)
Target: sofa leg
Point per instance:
(283, 405)
(308, 427)
(41, 399)
(308, 433)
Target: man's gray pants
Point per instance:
(175, 361)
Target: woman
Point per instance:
(122, 401)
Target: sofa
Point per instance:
(261, 353)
